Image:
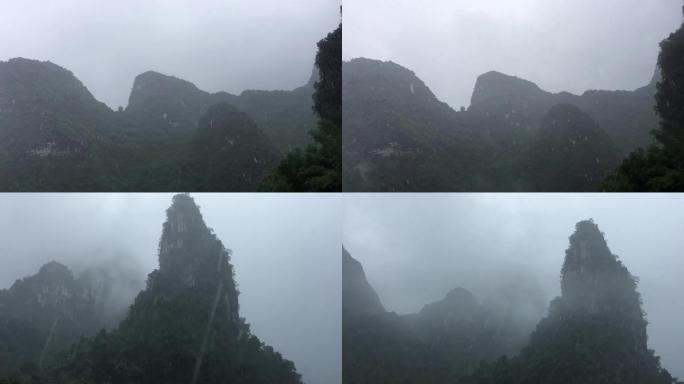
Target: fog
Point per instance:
(285, 252)
(218, 45)
(558, 44)
(416, 247)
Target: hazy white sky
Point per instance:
(286, 253)
(558, 44)
(228, 45)
(416, 247)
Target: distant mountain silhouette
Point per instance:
(443, 342)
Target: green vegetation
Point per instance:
(318, 167)
(660, 167)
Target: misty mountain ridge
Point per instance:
(444, 341)
(55, 305)
(57, 136)
(399, 137)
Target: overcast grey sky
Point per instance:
(558, 44)
(228, 45)
(416, 247)
(286, 253)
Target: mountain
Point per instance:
(184, 327)
(165, 104)
(399, 137)
(595, 332)
(43, 313)
(48, 123)
(444, 342)
(509, 103)
(228, 151)
(358, 296)
(570, 152)
(54, 135)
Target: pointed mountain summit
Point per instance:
(358, 296)
(184, 327)
(595, 332)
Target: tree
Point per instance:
(318, 168)
(660, 167)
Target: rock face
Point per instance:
(184, 327)
(399, 137)
(595, 331)
(358, 296)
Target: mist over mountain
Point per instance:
(443, 342)
(399, 137)
(46, 312)
(595, 332)
(184, 326)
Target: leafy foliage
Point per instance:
(661, 166)
(319, 166)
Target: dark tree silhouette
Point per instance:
(661, 167)
(318, 168)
